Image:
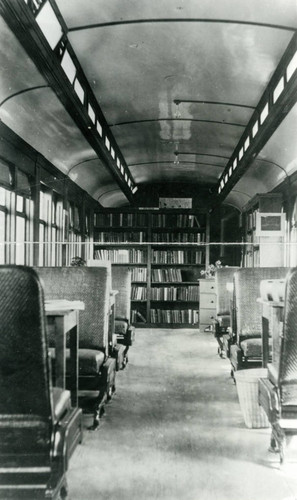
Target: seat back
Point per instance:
(25, 383)
(287, 364)
(121, 281)
(246, 291)
(222, 277)
(91, 285)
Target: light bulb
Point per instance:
(177, 113)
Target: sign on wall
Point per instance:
(175, 202)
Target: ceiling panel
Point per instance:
(219, 56)
(79, 13)
(40, 119)
(17, 70)
(138, 71)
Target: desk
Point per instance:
(272, 315)
(65, 316)
(111, 336)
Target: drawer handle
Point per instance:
(212, 301)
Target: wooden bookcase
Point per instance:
(263, 231)
(166, 251)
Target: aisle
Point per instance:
(174, 431)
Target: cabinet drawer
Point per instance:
(207, 286)
(207, 301)
(206, 317)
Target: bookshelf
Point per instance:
(263, 226)
(166, 251)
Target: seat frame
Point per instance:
(35, 444)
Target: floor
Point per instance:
(174, 431)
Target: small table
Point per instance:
(272, 315)
(65, 314)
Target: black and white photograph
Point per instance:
(148, 250)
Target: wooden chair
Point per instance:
(92, 286)
(222, 321)
(246, 350)
(278, 392)
(38, 428)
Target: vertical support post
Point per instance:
(65, 223)
(36, 213)
(207, 235)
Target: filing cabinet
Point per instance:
(207, 303)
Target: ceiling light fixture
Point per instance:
(176, 159)
(177, 113)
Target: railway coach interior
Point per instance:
(148, 179)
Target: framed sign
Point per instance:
(270, 224)
(175, 202)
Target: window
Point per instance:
(292, 66)
(44, 226)
(50, 228)
(23, 230)
(264, 114)
(107, 143)
(74, 247)
(4, 194)
(91, 113)
(278, 89)
(56, 235)
(79, 90)
(99, 128)
(68, 66)
(49, 24)
(255, 129)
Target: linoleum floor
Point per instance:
(174, 431)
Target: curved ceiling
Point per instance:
(177, 82)
(275, 163)
(31, 109)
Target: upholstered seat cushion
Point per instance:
(89, 360)
(252, 348)
(61, 402)
(121, 326)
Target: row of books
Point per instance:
(177, 256)
(169, 275)
(139, 274)
(137, 316)
(175, 220)
(188, 316)
(252, 219)
(138, 293)
(183, 293)
(122, 237)
(178, 237)
(120, 219)
(121, 256)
